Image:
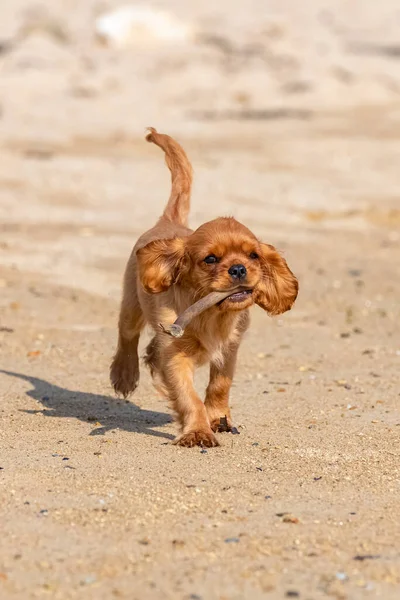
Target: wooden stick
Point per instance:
(177, 329)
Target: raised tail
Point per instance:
(177, 209)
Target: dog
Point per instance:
(170, 268)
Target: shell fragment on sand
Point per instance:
(136, 24)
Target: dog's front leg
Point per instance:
(221, 375)
(177, 371)
(217, 394)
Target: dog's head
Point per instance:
(220, 255)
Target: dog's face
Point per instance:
(224, 256)
(221, 255)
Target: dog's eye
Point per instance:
(211, 259)
(254, 255)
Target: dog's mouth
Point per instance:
(238, 296)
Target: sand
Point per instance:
(95, 501)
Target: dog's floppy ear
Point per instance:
(278, 287)
(160, 264)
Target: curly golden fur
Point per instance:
(166, 273)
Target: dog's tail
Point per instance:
(177, 209)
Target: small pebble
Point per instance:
(355, 272)
(88, 580)
(290, 519)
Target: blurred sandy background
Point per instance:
(258, 55)
(290, 113)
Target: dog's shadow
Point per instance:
(105, 412)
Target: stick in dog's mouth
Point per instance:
(177, 329)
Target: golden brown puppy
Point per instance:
(170, 268)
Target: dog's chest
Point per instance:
(215, 335)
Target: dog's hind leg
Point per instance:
(151, 359)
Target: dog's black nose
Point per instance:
(237, 272)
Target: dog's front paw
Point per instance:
(204, 438)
